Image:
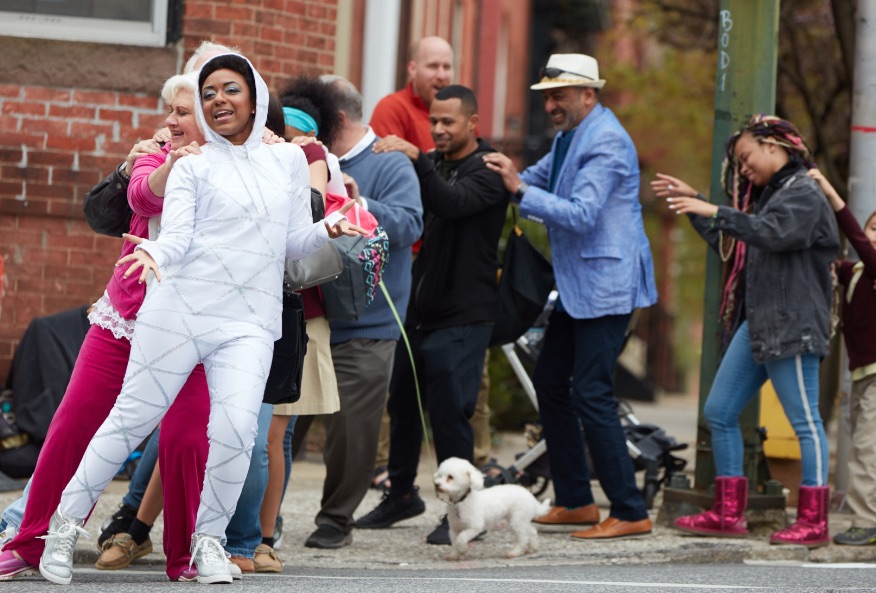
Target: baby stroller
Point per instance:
(649, 446)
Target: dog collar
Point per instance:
(464, 496)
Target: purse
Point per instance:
(524, 286)
(317, 268)
(106, 206)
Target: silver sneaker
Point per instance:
(7, 535)
(56, 563)
(209, 558)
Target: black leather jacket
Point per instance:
(792, 239)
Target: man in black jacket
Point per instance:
(453, 304)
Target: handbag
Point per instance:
(106, 206)
(284, 379)
(317, 268)
(364, 259)
(527, 278)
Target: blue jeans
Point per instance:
(14, 513)
(143, 473)
(574, 383)
(244, 532)
(738, 380)
(287, 452)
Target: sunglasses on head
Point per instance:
(555, 73)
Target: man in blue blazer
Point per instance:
(586, 192)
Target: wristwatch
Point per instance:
(122, 173)
(521, 189)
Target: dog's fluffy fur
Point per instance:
(472, 509)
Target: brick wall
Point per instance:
(69, 113)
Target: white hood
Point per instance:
(261, 114)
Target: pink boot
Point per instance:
(727, 515)
(810, 528)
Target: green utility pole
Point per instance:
(745, 85)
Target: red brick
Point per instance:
(37, 93)
(72, 111)
(29, 239)
(80, 129)
(81, 243)
(123, 116)
(88, 176)
(10, 90)
(154, 121)
(239, 29)
(57, 304)
(10, 188)
(81, 258)
(200, 10)
(50, 225)
(29, 174)
(9, 123)
(51, 158)
(17, 139)
(44, 190)
(206, 28)
(102, 164)
(107, 98)
(264, 50)
(150, 102)
(65, 207)
(235, 13)
(52, 127)
(22, 108)
(10, 155)
(295, 7)
(315, 11)
(68, 143)
(32, 206)
(272, 34)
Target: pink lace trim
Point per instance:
(105, 315)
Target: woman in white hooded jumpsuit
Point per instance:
(233, 214)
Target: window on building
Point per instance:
(129, 22)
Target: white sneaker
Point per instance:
(56, 563)
(209, 558)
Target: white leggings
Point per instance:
(165, 349)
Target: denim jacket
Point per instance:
(792, 239)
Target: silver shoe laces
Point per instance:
(66, 538)
(210, 550)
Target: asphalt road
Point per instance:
(756, 577)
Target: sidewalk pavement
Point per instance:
(403, 546)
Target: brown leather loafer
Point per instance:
(613, 528)
(586, 515)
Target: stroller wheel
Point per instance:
(649, 492)
(495, 474)
(534, 483)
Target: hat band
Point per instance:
(571, 81)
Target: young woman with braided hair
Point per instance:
(777, 239)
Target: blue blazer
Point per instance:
(601, 255)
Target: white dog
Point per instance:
(472, 509)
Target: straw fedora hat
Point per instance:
(569, 70)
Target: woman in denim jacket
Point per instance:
(777, 239)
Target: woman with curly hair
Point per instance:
(777, 238)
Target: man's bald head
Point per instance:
(430, 67)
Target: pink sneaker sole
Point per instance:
(12, 567)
